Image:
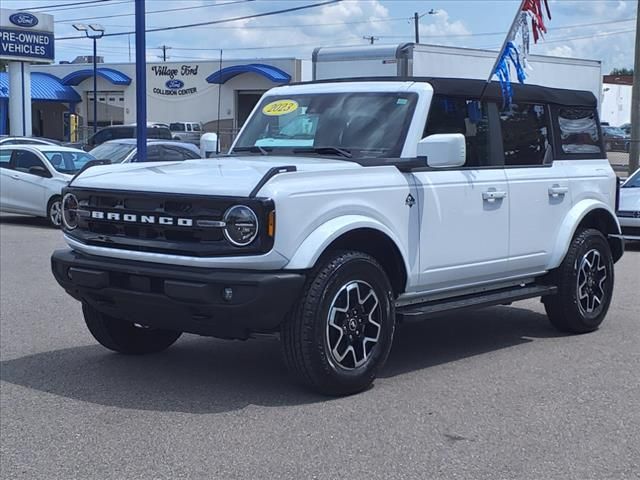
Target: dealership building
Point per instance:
(218, 95)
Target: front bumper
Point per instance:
(180, 298)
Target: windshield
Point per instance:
(68, 162)
(363, 124)
(116, 152)
(633, 181)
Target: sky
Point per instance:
(593, 29)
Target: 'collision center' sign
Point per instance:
(26, 36)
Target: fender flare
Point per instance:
(316, 243)
(571, 221)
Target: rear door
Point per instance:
(538, 187)
(464, 232)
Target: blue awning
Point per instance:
(114, 76)
(44, 87)
(272, 73)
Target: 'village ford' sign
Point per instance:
(174, 84)
(25, 45)
(24, 19)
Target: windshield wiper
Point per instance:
(254, 149)
(325, 150)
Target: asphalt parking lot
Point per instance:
(495, 394)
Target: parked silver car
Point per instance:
(125, 150)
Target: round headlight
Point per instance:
(70, 211)
(241, 225)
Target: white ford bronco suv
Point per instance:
(344, 208)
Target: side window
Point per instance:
(578, 129)
(5, 157)
(188, 127)
(189, 155)
(170, 154)
(196, 127)
(469, 117)
(525, 135)
(23, 161)
(122, 132)
(154, 153)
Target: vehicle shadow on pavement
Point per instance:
(38, 222)
(204, 376)
(445, 339)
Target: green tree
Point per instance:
(3, 65)
(622, 71)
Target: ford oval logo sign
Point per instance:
(174, 84)
(23, 19)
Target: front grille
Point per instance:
(141, 231)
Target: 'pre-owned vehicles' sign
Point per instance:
(26, 36)
(22, 43)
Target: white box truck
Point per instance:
(418, 60)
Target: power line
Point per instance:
(215, 22)
(179, 9)
(74, 5)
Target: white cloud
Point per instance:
(439, 26)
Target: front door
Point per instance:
(246, 102)
(28, 190)
(464, 233)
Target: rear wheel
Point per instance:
(585, 284)
(54, 212)
(126, 337)
(341, 331)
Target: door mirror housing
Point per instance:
(40, 171)
(443, 150)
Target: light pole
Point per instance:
(416, 22)
(94, 32)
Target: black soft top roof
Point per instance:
(471, 88)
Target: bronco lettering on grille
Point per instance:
(135, 218)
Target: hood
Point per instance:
(226, 176)
(629, 199)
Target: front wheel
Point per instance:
(340, 333)
(126, 337)
(54, 212)
(585, 284)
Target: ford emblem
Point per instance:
(174, 84)
(23, 19)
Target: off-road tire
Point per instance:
(55, 202)
(305, 335)
(125, 337)
(564, 309)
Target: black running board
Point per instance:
(469, 302)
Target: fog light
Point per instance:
(227, 294)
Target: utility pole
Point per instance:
(416, 23)
(371, 38)
(164, 49)
(634, 151)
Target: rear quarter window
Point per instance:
(578, 133)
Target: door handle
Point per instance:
(17, 177)
(492, 195)
(558, 190)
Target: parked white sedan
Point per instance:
(629, 208)
(32, 177)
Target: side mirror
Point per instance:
(40, 171)
(443, 150)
